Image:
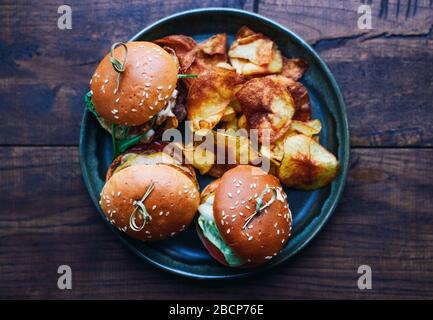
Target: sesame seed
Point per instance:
(248, 207)
(228, 231)
(119, 193)
(169, 87)
(154, 207)
(134, 110)
(106, 81)
(147, 84)
(117, 100)
(230, 195)
(238, 192)
(241, 214)
(161, 213)
(250, 238)
(159, 87)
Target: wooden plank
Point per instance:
(384, 220)
(385, 73)
(45, 71)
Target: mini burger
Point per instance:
(244, 217)
(133, 92)
(149, 195)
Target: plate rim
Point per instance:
(344, 144)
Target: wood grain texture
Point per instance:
(384, 220)
(46, 70)
(385, 73)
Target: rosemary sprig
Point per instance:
(141, 210)
(183, 76)
(118, 66)
(259, 207)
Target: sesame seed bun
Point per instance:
(171, 205)
(235, 200)
(147, 83)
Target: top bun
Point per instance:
(172, 204)
(235, 200)
(147, 83)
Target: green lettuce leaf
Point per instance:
(89, 104)
(210, 231)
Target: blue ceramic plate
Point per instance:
(184, 254)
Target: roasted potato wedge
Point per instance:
(210, 95)
(267, 105)
(306, 164)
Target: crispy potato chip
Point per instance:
(309, 128)
(294, 68)
(205, 56)
(244, 32)
(216, 44)
(248, 68)
(229, 114)
(196, 58)
(299, 94)
(255, 54)
(181, 45)
(209, 97)
(236, 149)
(230, 125)
(242, 122)
(306, 164)
(266, 105)
(255, 48)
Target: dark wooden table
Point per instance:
(385, 218)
